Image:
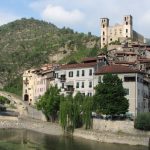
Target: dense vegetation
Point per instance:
(110, 96)
(142, 121)
(29, 43)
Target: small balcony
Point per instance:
(69, 89)
(62, 78)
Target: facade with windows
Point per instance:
(135, 84)
(36, 83)
(79, 77)
(73, 78)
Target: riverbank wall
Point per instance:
(30, 124)
(122, 132)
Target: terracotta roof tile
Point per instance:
(144, 60)
(116, 69)
(89, 59)
(125, 62)
(80, 65)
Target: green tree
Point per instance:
(4, 100)
(66, 113)
(87, 112)
(49, 103)
(110, 96)
(75, 112)
(142, 121)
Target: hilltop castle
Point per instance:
(119, 32)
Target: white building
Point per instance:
(137, 87)
(73, 78)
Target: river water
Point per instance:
(14, 139)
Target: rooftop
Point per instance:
(80, 65)
(116, 69)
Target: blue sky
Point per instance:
(80, 15)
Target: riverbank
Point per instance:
(30, 124)
(101, 135)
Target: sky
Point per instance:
(80, 15)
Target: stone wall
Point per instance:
(122, 132)
(114, 126)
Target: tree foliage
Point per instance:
(142, 121)
(49, 103)
(4, 100)
(75, 112)
(110, 96)
(87, 112)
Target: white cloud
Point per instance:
(7, 17)
(60, 15)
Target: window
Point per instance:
(77, 73)
(103, 26)
(126, 30)
(103, 33)
(138, 91)
(103, 39)
(77, 85)
(90, 84)
(83, 94)
(62, 85)
(90, 72)
(71, 74)
(89, 94)
(82, 86)
(99, 79)
(82, 72)
(56, 75)
(127, 91)
(129, 79)
(126, 23)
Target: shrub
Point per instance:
(142, 121)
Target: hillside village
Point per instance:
(125, 54)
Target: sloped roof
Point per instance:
(116, 69)
(78, 65)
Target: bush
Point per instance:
(142, 121)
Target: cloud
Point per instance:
(61, 15)
(7, 17)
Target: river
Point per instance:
(15, 139)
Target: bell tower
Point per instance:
(127, 21)
(104, 31)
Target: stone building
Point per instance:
(119, 32)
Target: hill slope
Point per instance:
(29, 43)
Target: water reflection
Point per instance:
(13, 139)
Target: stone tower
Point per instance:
(127, 22)
(104, 31)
